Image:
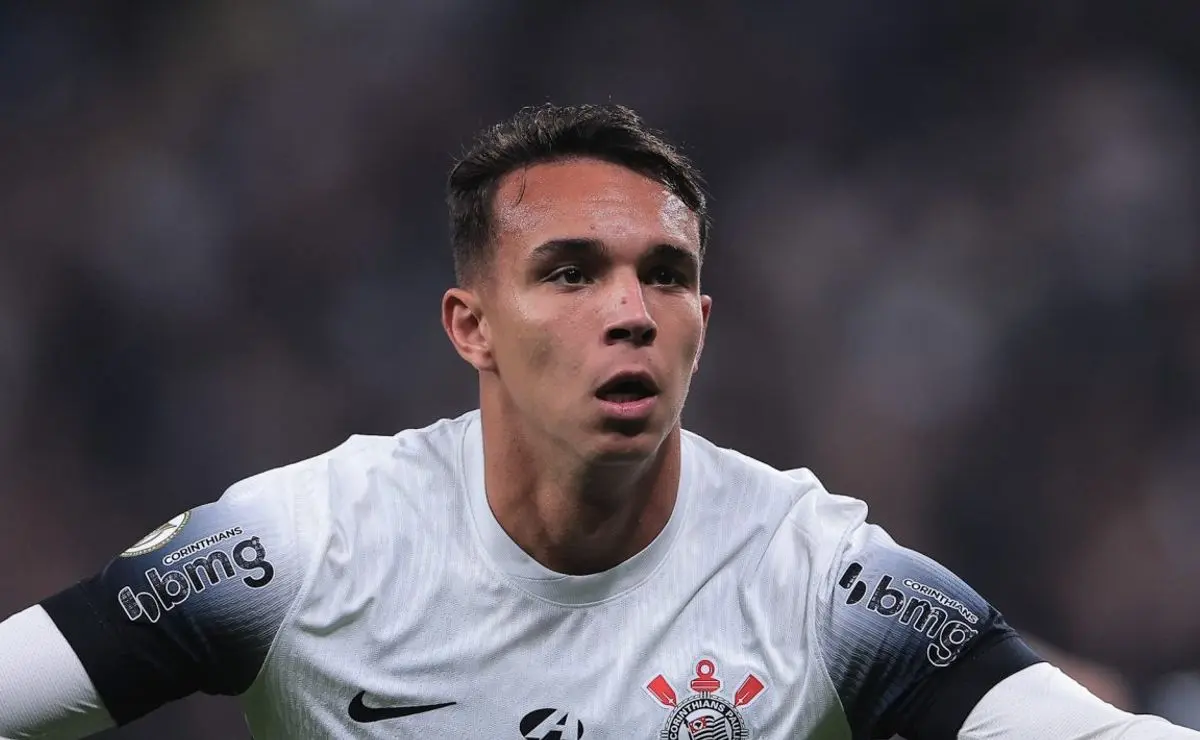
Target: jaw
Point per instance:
(574, 436)
(614, 451)
(625, 442)
(615, 467)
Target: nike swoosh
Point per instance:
(360, 712)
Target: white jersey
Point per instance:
(370, 593)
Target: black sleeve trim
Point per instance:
(130, 682)
(948, 697)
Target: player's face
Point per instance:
(594, 305)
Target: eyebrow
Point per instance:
(559, 248)
(589, 247)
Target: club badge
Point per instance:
(705, 714)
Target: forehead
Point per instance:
(591, 199)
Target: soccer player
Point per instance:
(565, 560)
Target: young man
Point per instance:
(563, 561)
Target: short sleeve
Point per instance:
(193, 606)
(910, 647)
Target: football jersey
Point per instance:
(370, 592)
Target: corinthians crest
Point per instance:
(705, 714)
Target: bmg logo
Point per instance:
(948, 636)
(170, 589)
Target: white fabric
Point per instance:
(416, 595)
(767, 608)
(43, 684)
(1043, 703)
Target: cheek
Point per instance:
(687, 364)
(539, 349)
(691, 333)
(543, 339)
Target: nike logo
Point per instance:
(360, 712)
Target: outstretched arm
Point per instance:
(1043, 702)
(45, 692)
(193, 607)
(914, 651)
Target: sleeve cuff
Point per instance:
(951, 694)
(120, 678)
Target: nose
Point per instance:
(630, 320)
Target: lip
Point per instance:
(629, 410)
(625, 376)
(632, 410)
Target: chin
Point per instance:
(621, 442)
(623, 454)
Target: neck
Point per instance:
(573, 515)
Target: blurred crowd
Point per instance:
(956, 268)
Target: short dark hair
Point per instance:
(546, 133)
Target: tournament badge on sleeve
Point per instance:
(159, 537)
(705, 714)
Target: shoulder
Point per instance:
(887, 624)
(802, 511)
(796, 527)
(364, 467)
(350, 499)
(372, 499)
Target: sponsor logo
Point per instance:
(550, 724)
(705, 714)
(171, 588)
(363, 714)
(158, 537)
(948, 636)
(942, 599)
(201, 545)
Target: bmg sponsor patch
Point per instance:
(201, 545)
(247, 560)
(947, 636)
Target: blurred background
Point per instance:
(956, 269)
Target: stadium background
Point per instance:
(956, 268)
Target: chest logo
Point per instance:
(705, 714)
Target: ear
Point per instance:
(705, 311)
(465, 324)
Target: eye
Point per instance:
(568, 276)
(666, 276)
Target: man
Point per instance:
(564, 561)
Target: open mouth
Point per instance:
(628, 388)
